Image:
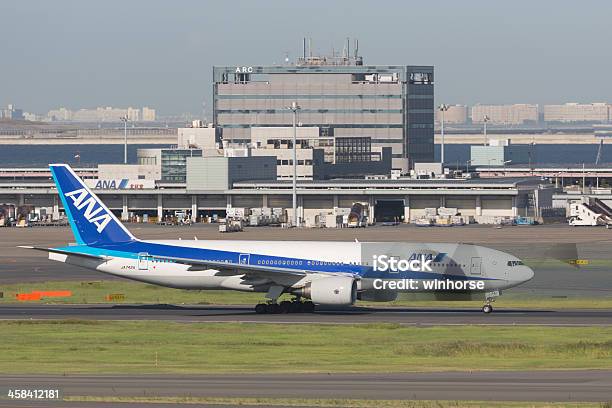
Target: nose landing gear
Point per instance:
(490, 298)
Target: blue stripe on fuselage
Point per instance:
(133, 249)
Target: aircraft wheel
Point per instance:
(308, 307)
(487, 309)
(285, 306)
(273, 308)
(260, 308)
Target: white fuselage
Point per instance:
(317, 260)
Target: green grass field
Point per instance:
(140, 293)
(165, 347)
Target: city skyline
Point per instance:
(147, 53)
(456, 114)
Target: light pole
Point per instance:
(583, 180)
(442, 108)
(467, 166)
(485, 120)
(124, 119)
(294, 108)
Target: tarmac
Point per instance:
(354, 315)
(573, 385)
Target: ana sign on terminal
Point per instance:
(119, 184)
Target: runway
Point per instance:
(586, 385)
(357, 315)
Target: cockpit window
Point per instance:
(515, 263)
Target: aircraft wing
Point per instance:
(256, 273)
(278, 275)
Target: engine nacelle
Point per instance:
(335, 290)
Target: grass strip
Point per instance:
(157, 347)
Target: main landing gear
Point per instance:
(295, 306)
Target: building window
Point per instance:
(147, 160)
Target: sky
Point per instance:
(160, 54)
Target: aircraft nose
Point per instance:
(526, 274)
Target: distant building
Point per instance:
(456, 114)
(220, 173)
(278, 142)
(148, 114)
(196, 137)
(59, 115)
(170, 164)
(11, 113)
(320, 157)
(33, 117)
(516, 114)
(391, 104)
(576, 112)
(133, 114)
(317, 157)
(101, 114)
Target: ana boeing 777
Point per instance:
(314, 272)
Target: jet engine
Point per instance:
(334, 290)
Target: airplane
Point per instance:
(316, 273)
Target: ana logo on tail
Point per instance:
(81, 199)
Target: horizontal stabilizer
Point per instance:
(64, 252)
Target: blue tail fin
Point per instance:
(91, 221)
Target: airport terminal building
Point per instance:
(391, 104)
(403, 199)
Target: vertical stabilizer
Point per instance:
(91, 221)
